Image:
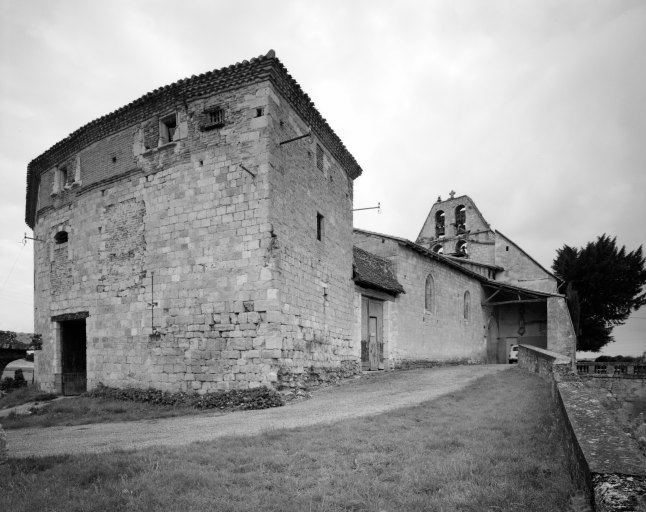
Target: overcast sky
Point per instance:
(535, 109)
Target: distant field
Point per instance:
(493, 446)
(27, 368)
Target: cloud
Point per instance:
(536, 110)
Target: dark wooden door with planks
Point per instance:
(372, 326)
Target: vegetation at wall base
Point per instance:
(9, 384)
(239, 399)
(604, 285)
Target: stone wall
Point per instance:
(519, 268)
(241, 293)
(441, 334)
(624, 394)
(311, 255)
(479, 236)
(560, 331)
(605, 463)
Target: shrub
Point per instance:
(8, 384)
(258, 398)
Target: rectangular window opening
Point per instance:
(319, 157)
(168, 129)
(213, 118)
(319, 226)
(60, 180)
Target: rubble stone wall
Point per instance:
(311, 255)
(239, 295)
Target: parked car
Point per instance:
(513, 354)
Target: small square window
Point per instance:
(168, 129)
(61, 237)
(213, 118)
(216, 116)
(319, 157)
(319, 226)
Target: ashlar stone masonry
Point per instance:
(199, 238)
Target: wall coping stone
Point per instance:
(555, 356)
(613, 470)
(607, 448)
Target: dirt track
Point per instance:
(371, 395)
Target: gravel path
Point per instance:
(374, 394)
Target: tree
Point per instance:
(604, 285)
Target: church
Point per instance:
(200, 238)
(466, 294)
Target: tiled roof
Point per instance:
(375, 272)
(264, 67)
(450, 262)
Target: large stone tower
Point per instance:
(199, 238)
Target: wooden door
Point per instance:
(372, 344)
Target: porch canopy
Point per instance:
(500, 294)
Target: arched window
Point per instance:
(460, 219)
(429, 295)
(438, 249)
(60, 237)
(467, 305)
(461, 248)
(439, 223)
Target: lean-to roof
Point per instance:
(375, 272)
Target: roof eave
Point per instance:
(266, 67)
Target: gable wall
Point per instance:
(480, 238)
(520, 269)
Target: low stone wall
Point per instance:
(605, 463)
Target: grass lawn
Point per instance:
(24, 395)
(491, 447)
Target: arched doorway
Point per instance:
(492, 340)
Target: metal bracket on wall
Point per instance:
(152, 304)
(25, 238)
(308, 134)
(244, 168)
(378, 207)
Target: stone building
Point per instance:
(456, 228)
(199, 238)
(463, 293)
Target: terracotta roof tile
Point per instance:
(258, 69)
(375, 272)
